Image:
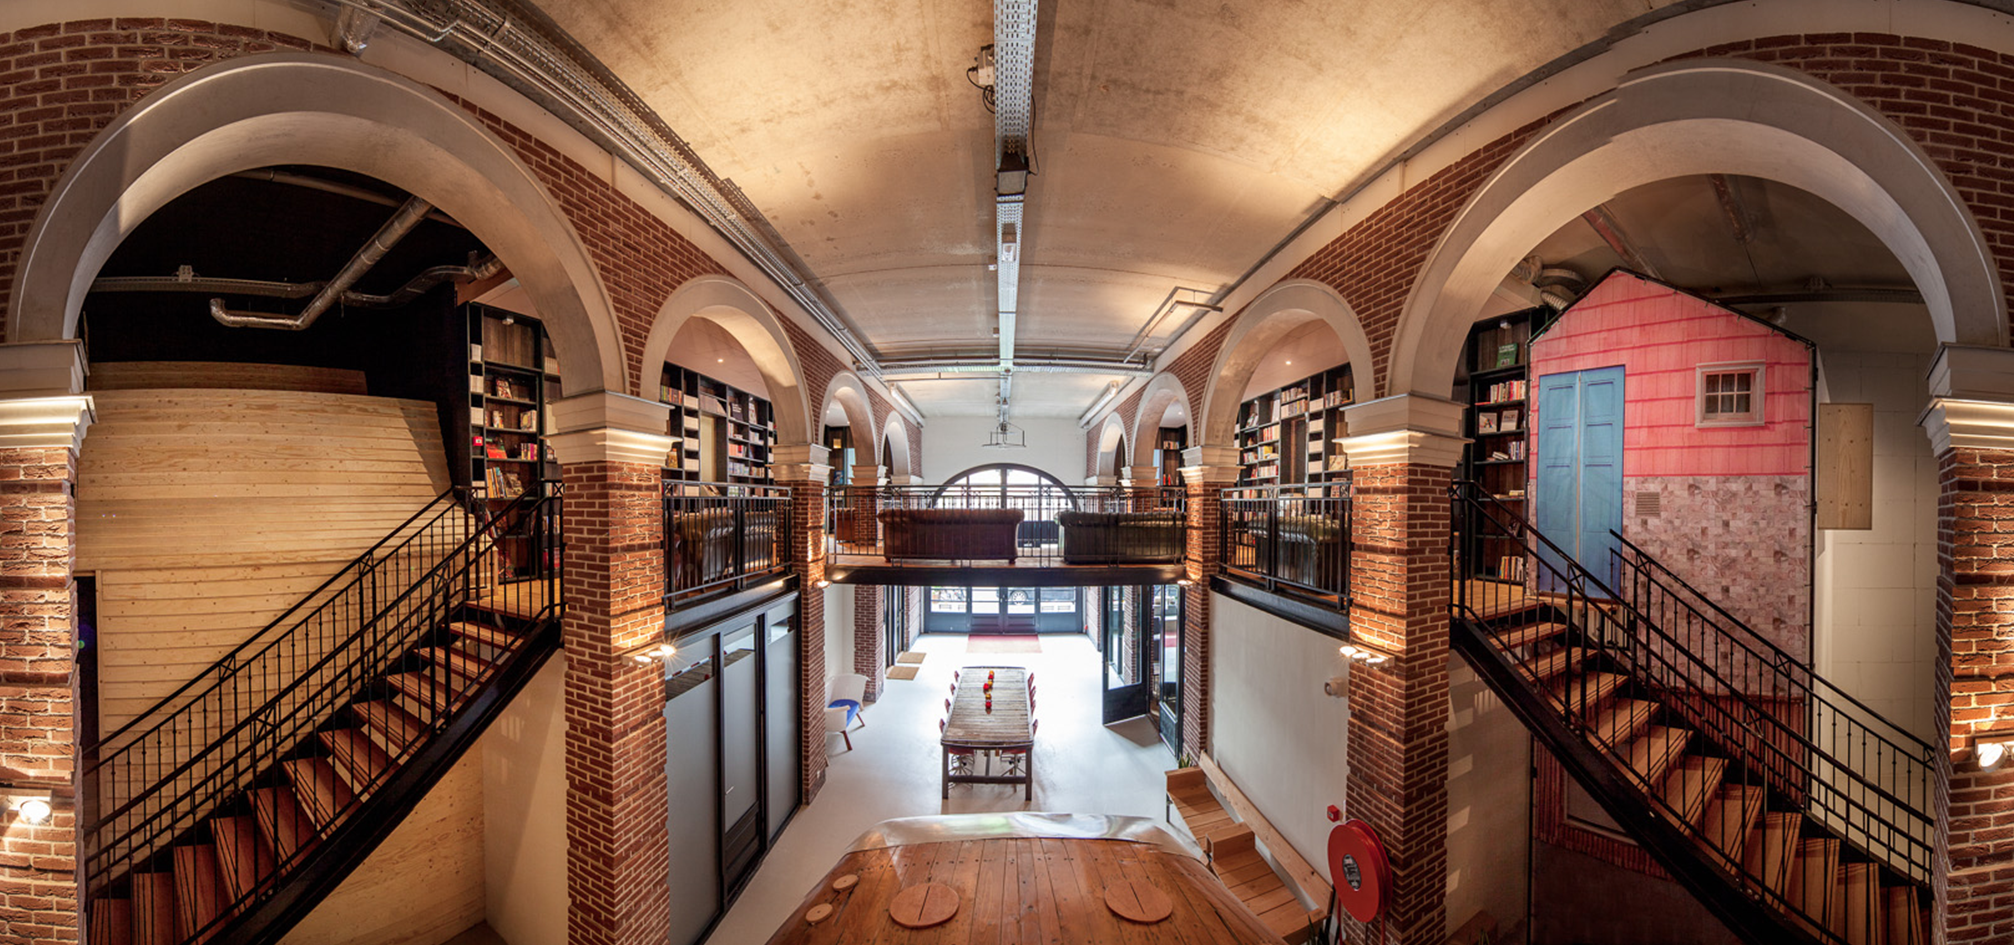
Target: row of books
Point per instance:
(502, 483)
(1494, 421)
(1264, 470)
(506, 387)
(1507, 390)
(1514, 450)
(525, 420)
(1264, 451)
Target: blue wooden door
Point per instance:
(1579, 456)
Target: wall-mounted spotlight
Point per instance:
(31, 802)
(33, 810)
(652, 653)
(823, 583)
(1990, 747)
(1367, 655)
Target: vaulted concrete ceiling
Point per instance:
(1176, 143)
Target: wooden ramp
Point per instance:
(1235, 857)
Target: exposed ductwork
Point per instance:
(374, 249)
(1013, 124)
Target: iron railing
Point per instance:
(1622, 684)
(1856, 751)
(1289, 538)
(722, 537)
(256, 711)
(1036, 525)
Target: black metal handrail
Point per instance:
(1058, 524)
(1765, 751)
(1291, 538)
(1854, 738)
(305, 675)
(721, 537)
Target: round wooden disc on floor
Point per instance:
(1138, 900)
(925, 905)
(845, 882)
(817, 913)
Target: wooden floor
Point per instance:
(515, 599)
(1021, 890)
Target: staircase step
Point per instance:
(1858, 903)
(1660, 747)
(460, 662)
(111, 922)
(1902, 915)
(1584, 693)
(320, 791)
(1731, 817)
(1691, 784)
(1813, 878)
(1527, 635)
(243, 856)
(1771, 848)
(358, 759)
(287, 828)
(154, 909)
(1621, 722)
(1543, 668)
(484, 633)
(423, 696)
(199, 893)
(394, 730)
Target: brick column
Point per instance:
(1206, 472)
(611, 449)
(42, 423)
(1971, 427)
(1402, 450)
(801, 467)
(870, 645)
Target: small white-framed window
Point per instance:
(1730, 395)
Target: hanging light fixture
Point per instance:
(1006, 436)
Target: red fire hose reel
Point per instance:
(1357, 865)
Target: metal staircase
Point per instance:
(1791, 810)
(226, 812)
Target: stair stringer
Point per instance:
(1720, 890)
(269, 918)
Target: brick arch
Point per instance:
(1695, 117)
(1163, 389)
(1111, 442)
(1272, 316)
(736, 308)
(850, 393)
(896, 449)
(299, 108)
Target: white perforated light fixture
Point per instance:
(1006, 436)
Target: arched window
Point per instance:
(1040, 496)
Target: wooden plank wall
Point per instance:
(206, 513)
(164, 375)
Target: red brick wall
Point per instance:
(37, 734)
(807, 531)
(870, 645)
(1975, 602)
(1205, 520)
(617, 850)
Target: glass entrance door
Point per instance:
(1164, 664)
(1126, 654)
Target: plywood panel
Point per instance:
(1844, 486)
(149, 375)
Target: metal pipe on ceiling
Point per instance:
(374, 249)
(1013, 126)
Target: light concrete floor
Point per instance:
(1081, 767)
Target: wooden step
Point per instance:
(395, 731)
(1584, 693)
(457, 661)
(1858, 904)
(358, 759)
(485, 634)
(154, 909)
(1527, 635)
(320, 791)
(287, 828)
(243, 856)
(1731, 817)
(1621, 722)
(111, 921)
(199, 892)
(1690, 784)
(1543, 668)
(423, 696)
(1902, 916)
(1660, 747)
(1814, 875)
(1771, 848)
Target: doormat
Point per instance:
(903, 671)
(1003, 643)
(911, 657)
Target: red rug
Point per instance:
(1003, 643)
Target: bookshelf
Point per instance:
(725, 434)
(1288, 435)
(507, 396)
(1169, 442)
(1497, 386)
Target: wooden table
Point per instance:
(1022, 889)
(1007, 725)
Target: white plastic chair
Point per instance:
(847, 691)
(836, 723)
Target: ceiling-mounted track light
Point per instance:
(1006, 436)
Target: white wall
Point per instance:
(838, 631)
(1055, 446)
(1875, 593)
(1489, 801)
(1273, 729)
(524, 812)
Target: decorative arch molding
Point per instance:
(850, 392)
(1276, 313)
(1111, 440)
(895, 446)
(297, 108)
(1705, 116)
(1161, 390)
(726, 302)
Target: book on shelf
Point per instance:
(475, 383)
(1498, 456)
(1509, 421)
(1486, 421)
(1507, 355)
(527, 420)
(1511, 567)
(475, 416)
(1517, 449)
(1506, 390)
(494, 451)
(475, 351)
